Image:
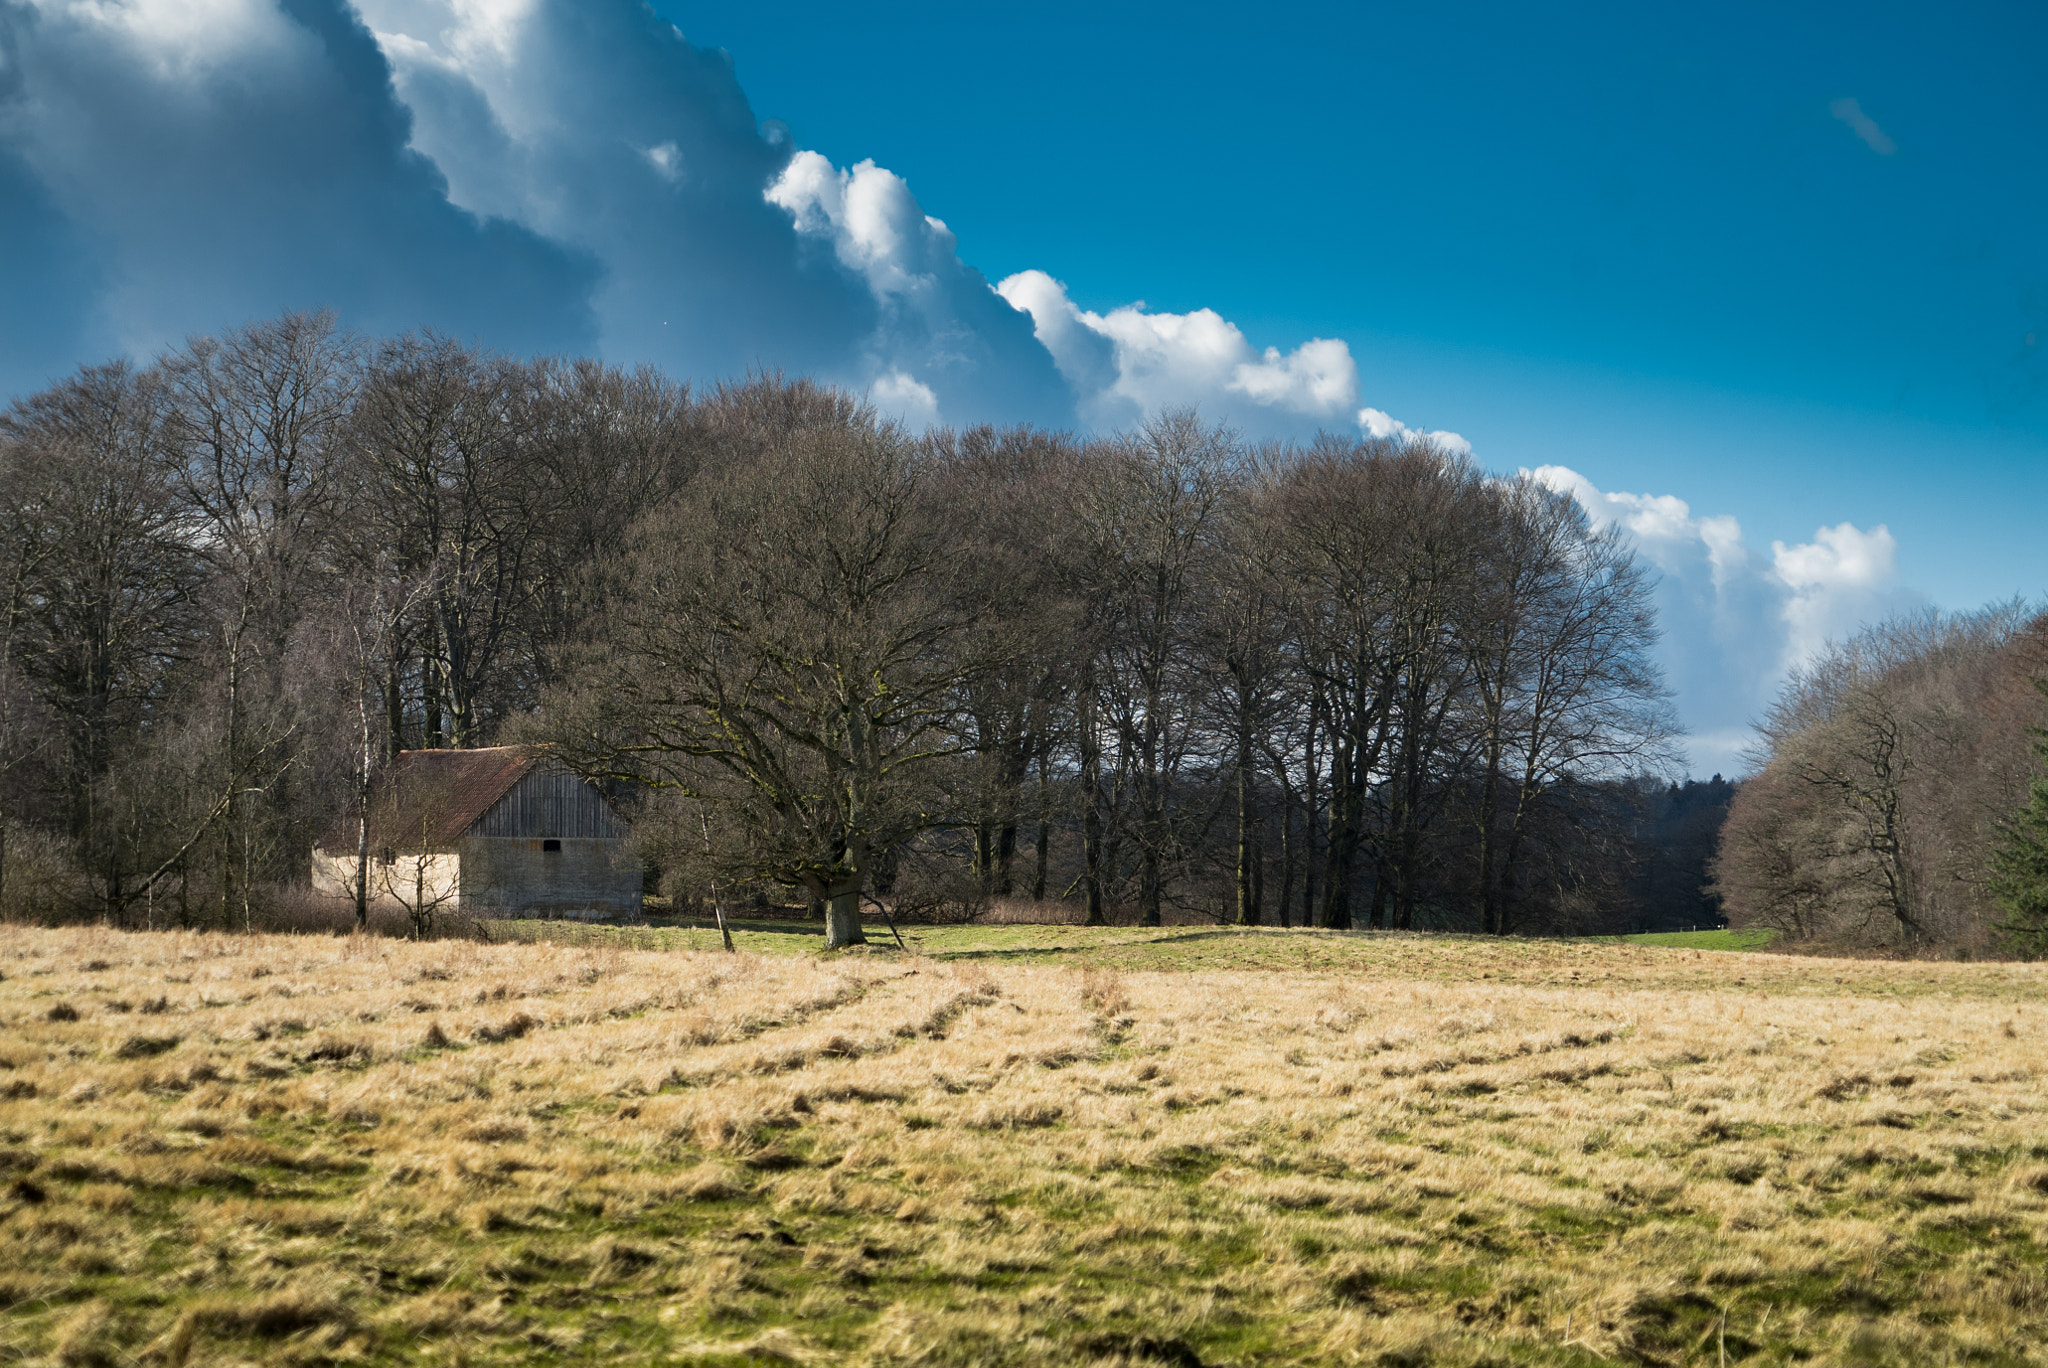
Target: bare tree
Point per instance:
(1243, 638)
(1429, 553)
(363, 635)
(834, 651)
(415, 867)
(601, 444)
(103, 599)
(1148, 515)
(1888, 762)
(2019, 860)
(256, 423)
(1335, 505)
(786, 650)
(448, 479)
(1560, 634)
(998, 485)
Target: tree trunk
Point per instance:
(985, 854)
(1006, 856)
(1258, 871)
(1489, 817)
(1411, 848)
(362, 872)
(232, 814)
(1346, 817)
(1044, 835)
(1509, 862)
(1339, 863)
(1152, 822)
(1419, 741)
(842, 915)
(394, 703)
(1286, 858)
(1091, 813)
(455, 678)
(1248, 911)
(430, 699)
(1311, 799)
(1150, 888)
(363, 815)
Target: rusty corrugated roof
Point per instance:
(426, 799)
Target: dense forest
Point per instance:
(1892, 807)
(1159, 675)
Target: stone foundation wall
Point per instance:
(585, 876)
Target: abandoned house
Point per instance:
(493, 830)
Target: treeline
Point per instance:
(1891, 807)
(234, 582)
(1164, 673)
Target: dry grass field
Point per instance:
(1016, 1146)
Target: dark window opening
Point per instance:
(551, 845)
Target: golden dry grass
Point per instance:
(1410, 1151)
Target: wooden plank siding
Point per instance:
(551, 804)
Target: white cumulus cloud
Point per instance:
(1385, 426)
(905, 397)
(1131, 362)
(871, 219)
(1834, 583)
(1734, 621)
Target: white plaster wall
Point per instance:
(334, 874)
(436, 875)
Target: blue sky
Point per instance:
(1630, 239)
(1768, 286)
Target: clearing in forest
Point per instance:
(1039, 1145)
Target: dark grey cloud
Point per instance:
(539, 175)
(180, 168)
(553, 175)
(601, 125)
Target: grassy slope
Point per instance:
(1706, 940)
(1025, 1145)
